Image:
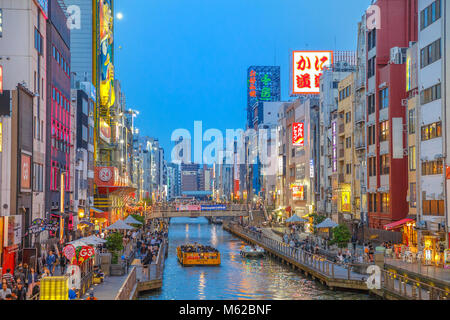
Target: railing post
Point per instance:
(332, 270)
(348, 271)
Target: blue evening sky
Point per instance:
(186, 60)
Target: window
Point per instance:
(385, 206)
(431, 131)
(432, 167)
(371, 67)
(348, 117)
(372, 39)
(38, 175)
(412, 121)
(371, 103)
(371, 134)
(384, 98)
(412, 195)
(430, 53)
(433, 207)
(384, 164)
(412, 158)
(384, 131)
(348, 167)
(300, 172)
(431, 94)
(372, 166)
(38, 42)
(430, 14)
(348, 142)
(372, 202)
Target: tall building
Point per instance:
(263, 85)
(386, 116)
(427, 129)
(189, 177)
(23, 110)
(58, 125)
(345, 168)
(82, 102)
(327, 158)
(359, 128)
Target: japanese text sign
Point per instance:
(298, 134)
(307, 68)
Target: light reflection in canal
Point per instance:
(236, 277)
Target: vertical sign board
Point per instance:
(298, 134)
(12, 230)
(1, 79)
(25, 172)
(307, 68)
(61, 218)
(397, 138)
(447, 171)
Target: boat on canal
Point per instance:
(198, 255)
(252, 252)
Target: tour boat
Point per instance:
(252, 252)
(217, 221)
(198, 255)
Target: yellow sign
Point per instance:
(54, 288)
(346, 201)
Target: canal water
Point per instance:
(236, 277)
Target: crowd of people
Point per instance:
(24, 282)
(198, 248)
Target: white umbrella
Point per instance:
(130, 219)
(327, 223)
(93, 240)
(119, 225)
(79, 243)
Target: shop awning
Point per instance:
(397, 224)
(100, 215)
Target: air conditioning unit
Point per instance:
(398, 55)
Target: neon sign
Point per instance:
(307, 68)
(298, 134)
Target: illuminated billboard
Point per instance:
(307, 67)
(106, 16)
(298, 191)
(105, 131)
(263, 85)
(298, 134)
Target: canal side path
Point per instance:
(333, 275)
(127, 285)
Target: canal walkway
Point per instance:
(334, 275)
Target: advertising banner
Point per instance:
(188, 207)
(105, 131)
(215, 207)
(297, 191)
(106, 16)
(298, 134)
(346, 201)
(12, 230)
(25, 172)
(70, 253)
(307, 68)
(84, 253)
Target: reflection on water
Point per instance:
(236, 277)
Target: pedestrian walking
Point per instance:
(51, 261)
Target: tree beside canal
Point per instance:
(114, 243)
(340, 236)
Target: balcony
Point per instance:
(341, 178)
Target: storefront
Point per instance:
(433, 244)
